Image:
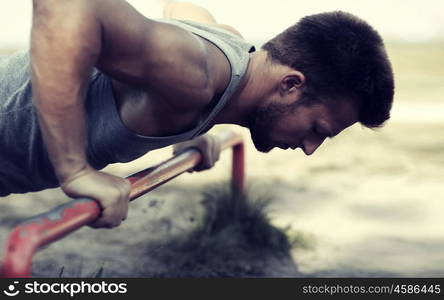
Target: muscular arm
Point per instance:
(63, 54)
(68, 39)
(66, 43)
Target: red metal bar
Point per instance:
(238, 168)
(36, 232)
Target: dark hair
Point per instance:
(339, 54)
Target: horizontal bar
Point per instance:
(38, 231)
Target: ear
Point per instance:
(291, 82)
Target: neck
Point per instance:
(255, 86)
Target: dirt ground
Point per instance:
(368, 203)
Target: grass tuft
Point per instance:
(235, 239)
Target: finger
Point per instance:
(217, 146)
(125, 211)
(111, 216)
(124, 207)
(113, 225)
(177, 149)
(206, 161)
(100, 223)
(215, 153)
(211, 155)
(210, 152)
(124, 201)
(110, 224)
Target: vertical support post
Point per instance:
(238, 169)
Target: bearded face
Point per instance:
(301, 124)
(264, 121)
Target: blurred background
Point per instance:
(367, 203)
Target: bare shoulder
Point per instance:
(186, 65)
(183, 70)
(175, 64)
(175, 57)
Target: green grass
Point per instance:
(98, 273)
(235, 239)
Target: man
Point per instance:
(108, 85)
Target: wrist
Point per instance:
(68, 174)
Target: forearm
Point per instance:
(64, 48)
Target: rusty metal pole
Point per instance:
(238, 169)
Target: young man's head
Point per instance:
(332, 71)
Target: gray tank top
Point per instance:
(24, 161)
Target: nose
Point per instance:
(310, 145)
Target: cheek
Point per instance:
(291, 127)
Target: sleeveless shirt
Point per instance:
(24, 161)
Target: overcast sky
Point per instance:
(258, 20)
